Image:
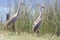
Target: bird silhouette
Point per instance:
(14, 18)
(38, 21)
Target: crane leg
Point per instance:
(13, 27)
(36, 28)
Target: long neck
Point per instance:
(19, 6)
(18, 12)
(41, 11)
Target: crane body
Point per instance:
(38, 21)
(14, 18)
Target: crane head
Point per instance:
(42, 7)
(23, 3)
(39, 5)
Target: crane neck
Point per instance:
(18, 12)
(40, 12)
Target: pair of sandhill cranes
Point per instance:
(14, 18)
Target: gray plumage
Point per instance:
(14, 18)
(38, 21)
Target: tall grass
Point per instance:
(50, 20)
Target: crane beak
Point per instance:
(23, 3)
(43, 7)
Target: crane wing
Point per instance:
(11, 20)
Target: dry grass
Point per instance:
(4, 35)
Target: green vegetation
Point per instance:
(50, 20)
(6, 35)
(49, 29)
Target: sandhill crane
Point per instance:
(14, 18)
(38, 21)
